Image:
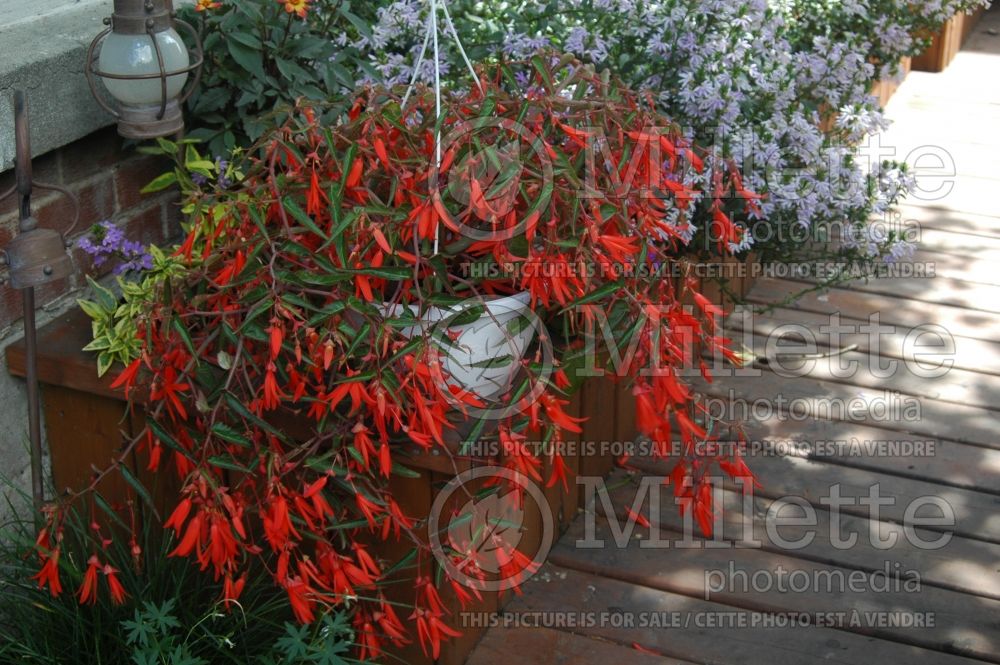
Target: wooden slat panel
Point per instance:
(598, 403)
(962, 268)
(965, 244)
(163, 485)
(625, 424)
(944, 219)
(84, 431)
(943, 47)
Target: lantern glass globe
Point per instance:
(135, 55)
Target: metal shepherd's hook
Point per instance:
(36, 256)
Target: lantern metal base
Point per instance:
(36, 257)
(141, 122)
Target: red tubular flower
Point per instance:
(276, 335)
(49, 574)
(231, 590)
(366, 561)
(167, 388)
(155, 453)
(88, 590)
(222, 547)
(518, 457)
(118, 594)
(618, 248)
(192, 537)
(345, 577)
(127, 376)
(703, 511)
(553, 411)
(271, 394)
(179, 516)
(368, 641)
(327, 354)
(385, 459)
(461, 592)
(396, 522)
(368, 508)
(315, 198)
(515, 564)
(559, 472)
(389, 622)
(300, 596)
(278, 525)
(431, 631)
(363, 443)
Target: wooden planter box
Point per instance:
(886, 88)
(947, 42)
(87, 423)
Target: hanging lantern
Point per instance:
(144, 65)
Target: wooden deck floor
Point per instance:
(958, 599)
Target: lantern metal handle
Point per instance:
(25, 182)
(194, 67)
(55, 188)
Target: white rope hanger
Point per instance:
(431, 36)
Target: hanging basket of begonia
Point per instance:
(351, 285)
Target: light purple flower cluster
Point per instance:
(107, 242)
(758, 79)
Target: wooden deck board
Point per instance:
(975, 513)
(960, 267)
(545, 646)
(894, 311)
(932, 217)
(958, 427)
(865, 447)
(959, 386)
(964, 564)
(788, 645)
(828, 400)
(937, 289)
(971, 354)
(727, 576)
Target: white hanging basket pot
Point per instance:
(480, 356)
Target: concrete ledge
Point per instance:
(43, 53)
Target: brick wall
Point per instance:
(106, 178)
